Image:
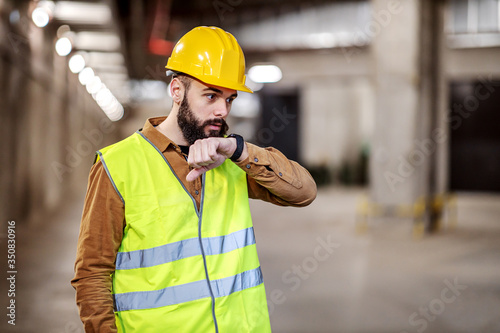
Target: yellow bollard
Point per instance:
(437, 207)
(362, 213)
(418, 215)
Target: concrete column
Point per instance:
(406, 41)
(434, 139)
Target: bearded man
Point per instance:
(166, 239)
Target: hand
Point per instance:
(207, 154)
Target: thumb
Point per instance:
(195, 173)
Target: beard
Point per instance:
(193, 129)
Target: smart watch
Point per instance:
(239, 146)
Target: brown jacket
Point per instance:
(270, 175)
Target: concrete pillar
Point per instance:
(406, 52)
(434, 139)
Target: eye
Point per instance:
(211, 97)
(230, 100)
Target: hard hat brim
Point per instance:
(218, 82)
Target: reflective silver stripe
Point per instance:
(184, 249)
(229, 242)
(238, 282)
(187, 292)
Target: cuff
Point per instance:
(257, 160)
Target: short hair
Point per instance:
(185, 79)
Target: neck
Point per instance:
(171, 129)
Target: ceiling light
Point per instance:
(82, 13)
(114, 111)
(94, 85)
(109, 105)
(40, 17)
(63, 46)
(265, 73)
(117, 113)
(103, 97)
(322, 40)
(105, 58)
(76, 63)
(86, 75)
(97, 41)
(254, 86)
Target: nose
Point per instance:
(222, 108)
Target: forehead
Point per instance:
(202, 86)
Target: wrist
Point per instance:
(240, 148)
(244, 154)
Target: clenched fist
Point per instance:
(209, 153)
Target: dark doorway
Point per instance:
(475, 135)
(279, 125)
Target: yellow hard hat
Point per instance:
(211, 55)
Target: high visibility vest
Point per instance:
(180, 268)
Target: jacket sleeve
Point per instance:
(274, 178)
(101, 233)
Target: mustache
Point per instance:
(216, 121)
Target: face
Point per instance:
(203, 111)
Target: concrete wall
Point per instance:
(336, 102)
(383, 95)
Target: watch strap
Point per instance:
(239, 146)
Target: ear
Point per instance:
(176, 90)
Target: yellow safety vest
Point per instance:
(180, 268)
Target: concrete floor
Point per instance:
(320, 275)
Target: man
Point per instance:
(166, 240)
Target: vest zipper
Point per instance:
(200, 214)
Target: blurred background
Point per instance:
(392, 105)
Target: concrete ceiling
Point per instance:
(150, 28)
